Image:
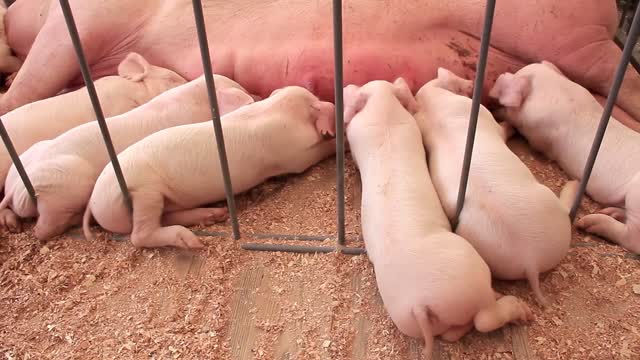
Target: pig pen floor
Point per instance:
(77, 299)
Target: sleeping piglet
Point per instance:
(519, 226)
(173, 173)
(64, 170)
(137, 82)
(560, 118)
(432, 281)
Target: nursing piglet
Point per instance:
(560, 118)
(64, 170)
(9, 63)
(137, 82)
(432, 281)
(173, 173)
(519, 226)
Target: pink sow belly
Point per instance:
(311, 65)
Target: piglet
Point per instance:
(9, 63)
(137, 82)
(560, 118)
(173, 173)
(64, 170)
(519, 226)
(432, 281)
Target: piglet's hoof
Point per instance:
(9, 221)
(186, 239)
(616, 213)
(9, 79)
(216, 215)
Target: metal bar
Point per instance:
(632, 39)
(17, 162)
(215, 113)
(301, 249)
(634, 62)
(339, 107)
(291, 237)
(95, 102)
(475, 108)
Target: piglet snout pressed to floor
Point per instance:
(560, 118)
(173, 173)
(432, 281)
(519, 226)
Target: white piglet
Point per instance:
(173, 173)
(432, 281)
(64, 170)
(560, 118)
(519, 226)
(137, 82)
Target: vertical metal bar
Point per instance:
(84, 68)
(632, 38)
(17, 162)
(215, 113)
(475, 107)
(339, 106)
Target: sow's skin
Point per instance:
(173, 173)
(560, 118)
(519, 226)
(137, 82)
(246, 39)
(64, 170)
(432, 281)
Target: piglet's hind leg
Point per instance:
(507, 309)
(147, 228)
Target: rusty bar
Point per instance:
(475, 107)
(215, 113)
(95, 102)
(632, 38)
(17, 162)
(339, 106)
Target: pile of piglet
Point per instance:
(434, 281)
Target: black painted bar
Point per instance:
(215, 113)
(475, 107)
(95, 102)
(339, 105)
(631, 41)
(17, 162)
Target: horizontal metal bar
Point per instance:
(215, 116)
(291, 237)
(13, 154)
(630, 43)
(301, 248)
(475, 108)
(95, 101)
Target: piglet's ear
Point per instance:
(134, 67)
(511, 90)
(354, 102)
(404, 95)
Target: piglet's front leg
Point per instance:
(197, 216)
(608, 223)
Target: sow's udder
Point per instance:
(311, 64)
